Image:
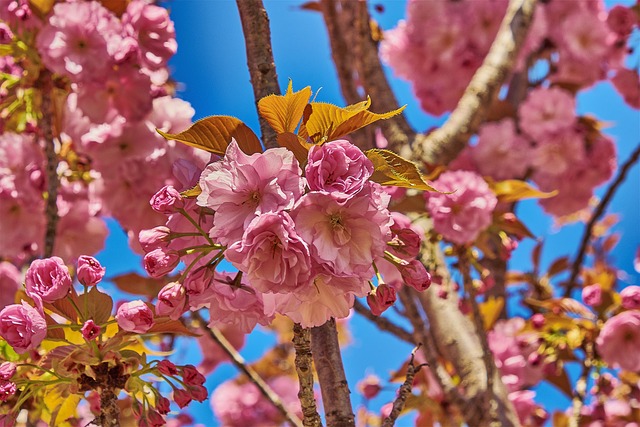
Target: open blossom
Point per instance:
(90, 330)
(90, 272)
(627, 83)
(462, 215)
(619, 341)
(135, 316)
(501, 153)
(337, 167)
(557, 153)
(272, 254)
(547, 111)
(22, 326)
(48, 278)
(241, 187)
(79, 39)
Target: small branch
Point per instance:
(304, 368)
(242, 365)
(597, 214)
(443, 145)
(109, 410)
(580, 391)
(46, 125)
(403, 392)
(333, 382)
(262, 68)
(487, 355)
(383, 324)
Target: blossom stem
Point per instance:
(196, 225)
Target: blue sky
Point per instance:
(211, 68)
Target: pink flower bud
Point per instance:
(181, 397)
(154, 238)
(192, 376)
(171, 301)
(135, 316)
(381, 298)
(7, 370)
(167, 200)
(370, 386)
(630, 297)
(160, 262)
(90, 272)
(7, 420)
(22, 326)
(592, 295)
(407, 242)
(538, 321)
(167, 367)
(155, 419)
(7, 389)
(90, 330)
(48, 278)
(416, 275)
(198, 393)
(163, 405)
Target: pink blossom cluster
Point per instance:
(119, 93)
(306, 246)
(619, 339)
(441, 44)
(238, 404)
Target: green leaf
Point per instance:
(214, 133)
(513, 190)
(391, 169)
(7, 352)
(324, 122)
(284, 112)
(98, 305)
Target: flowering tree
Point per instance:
(332, 210)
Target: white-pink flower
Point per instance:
(272, 255)
(462, 215)
(240, 187)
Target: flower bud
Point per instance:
(192, 376)
(538, 321)
(90, 272)
(135, 316)
(198, 393)
(167, 367)
(160, 262)
(7, 370)
(154, 238)
(631, 297)
(592, 295)
(163, 405)
(90, 330)
(415, 275)
(171, 301)
(370, 386)
(7, 389)
(48, 279)
(22, 326)
(181, 397)
(167, 200)
(381, 298)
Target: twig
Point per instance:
(403, 392)
(428, 348)
(304, 368)
(487, 355)
(597, 213)
(242, 365)
(262, 68)
(46, 125)
(580, 391)
(383, 324)
(333, 382)
(444, 144)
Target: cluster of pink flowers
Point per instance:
(441, 44)
(305, 246)
(619, 338)
(119, 92)
(238, 404)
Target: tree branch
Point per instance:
(304, 368)
(262, 68)
(46, 126)
(383, 324)
(597, 214)
(241, 364)
(403, 392)
(443, 145)
(333, 382)
(580, 391)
